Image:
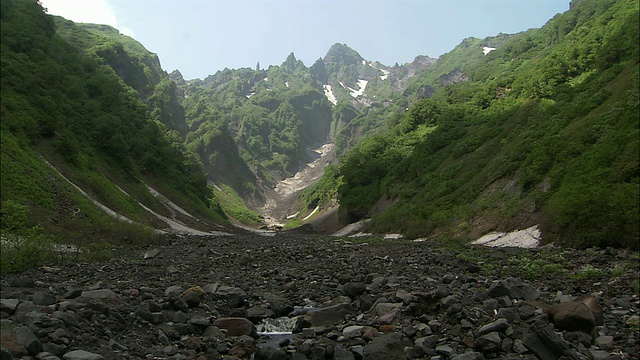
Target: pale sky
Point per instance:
(200, 37)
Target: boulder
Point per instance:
(547, 345)
(235, 326)
(329, 316)
(572, 316)
(385, 347)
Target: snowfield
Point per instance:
(362, 84)
(487, 49)
(329, 94)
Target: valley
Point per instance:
(278, 206)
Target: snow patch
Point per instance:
(487, 49)
(364, 62)
(351, 228)
(249, 95)
(362, 84)
(329, 94)
(527, 239)
(385, 74)
(286, 84)
(312, 213)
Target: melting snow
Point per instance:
(364, 62)
(487, 49)
(286, 83)
(249, 95)
(329, 94)
(528, 238)
(313, 212)
(386, 74)
(362, 84)
(341, 84)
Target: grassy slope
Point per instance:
(67, 106)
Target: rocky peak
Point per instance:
(343, 55)
(176, 77)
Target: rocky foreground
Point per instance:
(204, 298)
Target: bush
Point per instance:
(21, 246)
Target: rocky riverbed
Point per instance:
(204, 297)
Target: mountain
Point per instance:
(539, 127)
(83, 160)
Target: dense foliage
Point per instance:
(542, 130)
(63, 99)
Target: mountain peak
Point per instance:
(291, 63)
(342, 54)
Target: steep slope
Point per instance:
(543, 129)
(66, 106)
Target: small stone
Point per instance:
(498, 325)
(193, 296)
(23, 282)
(9, 305)
(445, 350)
(151, 253)
(489, 342)
(604, 342)
(81, 355)
(102, 294)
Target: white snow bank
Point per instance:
(487, 49)
(329, 94)
(527, 239)
(351, 228)
(362, 84)
(312, 213)
(386, 74)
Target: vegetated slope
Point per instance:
(255, 127)
(62, 100)
(544, 129)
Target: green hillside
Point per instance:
(542, 130)
(63, 102)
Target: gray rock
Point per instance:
(354, 289)
(173, 290)
(329, 316)
(514, 288)
(546, 344)
(424, 344)
(385, 347)
(235, 326)
(445, 350)
(23, 282)
(518, 347)
(572, 316)
(490, 342)
(43, 298)
(102, 294)
(604, 342)
(279, 304)
(226, 290)
(342, 354)
(352, 331)
(9, 305)
(151, 253)
(73, 293)
(81, 355)
(179, 317)
(25, 337)
(498, 325)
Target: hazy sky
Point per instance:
(200, 37)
